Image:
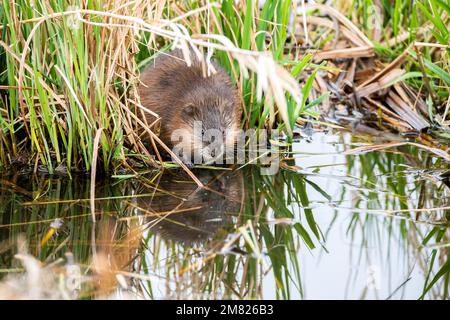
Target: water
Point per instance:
(327, 226)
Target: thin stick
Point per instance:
(374, 147)
(93, 172)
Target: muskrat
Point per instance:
(191, 107)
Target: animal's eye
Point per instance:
(189, 110)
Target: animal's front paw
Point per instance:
(188, 164)
(184, 159)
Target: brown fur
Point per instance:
(180, 95)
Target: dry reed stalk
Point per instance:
(359, 52)
(350, 31)
(381, 84)
(375, 147)
(94, 171)
(394, 64)
(352, 37)
(405, 111)
(342, 19)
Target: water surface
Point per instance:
(327, 226)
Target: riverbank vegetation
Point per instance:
(68, 73)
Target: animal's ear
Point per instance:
(189, 110)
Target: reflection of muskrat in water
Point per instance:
(181, 95)
(183, 212)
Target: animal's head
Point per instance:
(209, 128)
